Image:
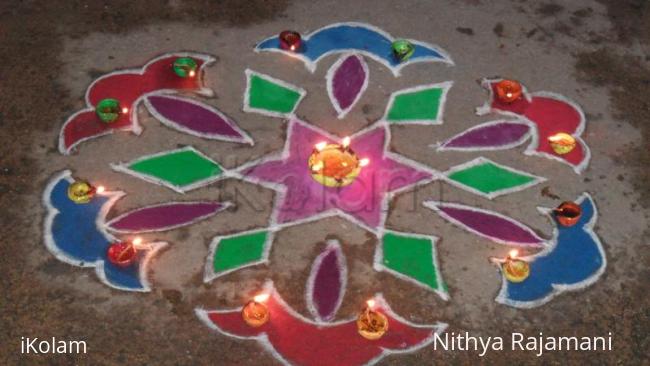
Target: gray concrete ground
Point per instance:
(595, 53)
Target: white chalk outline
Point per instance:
(329, 78)
(396, 70)
(109, 225)
(244, 139)
(379, 266)
(133, 113)
(481, 160)
(445, 86)
(124, 168)
(269, 288)
(531, 149)
(209, 274)
(50, 244)
(332, 245)
(443, 146)
(558, 288)
(434, 205)
(281, 189)
(247, 107)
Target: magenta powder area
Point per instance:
(165, 216)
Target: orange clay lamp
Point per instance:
(335, 165)
(515, 270)
(562, 143)
(371, 324)
(255, 313)
(81, 191)
(508, 91)
(568, 213)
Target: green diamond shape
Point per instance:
(489, 179)
(422, 104)
(412, 257)
(181, 169)
(238, 251)
(270, 96)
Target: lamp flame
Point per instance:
(261, 297)
(363, 162)
(371, 304)
(346, 142)
(136, 241)
(192, 73)
(320, 146)
(513, 253)
(101, 189)
(125, 110)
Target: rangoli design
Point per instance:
(318, 175)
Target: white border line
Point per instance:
(224, 205)
(281, 189)
(434, 205)
(50, 244)
(332, 246)
(247, 108)
(208, 272)
(124, 168)
(443, 146)
(445, 86)
(245, 137)
(380, 267)
(135, 125)
(481, 160)
(531, 149)
(329, 77)
(558, 288)
(396, 70)
(269, 287)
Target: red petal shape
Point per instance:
(81, 126)
(302, 342)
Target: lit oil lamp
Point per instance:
(290, 40)
(255, 313)
(185, 67)
(371, 324)
(508, 91)
(124, 253)
(335, 165)
(81, 191)
(515, 270)
(402, 49)
(108, 110)
(568, 213)
(562, 143)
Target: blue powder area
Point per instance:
(74, 232)
(575, 258)
(351, 37)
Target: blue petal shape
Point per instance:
(359, 37)
(575, 261)
(74, 234)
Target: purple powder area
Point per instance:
(327, 286)
(493, 135)
(194, 117)
(165, 216)
(493, 226)
(348, 80)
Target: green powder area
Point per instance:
(270, 96)
(412, 257)
(238, 251)
(488, 178)
(179, 168)
(418, 105)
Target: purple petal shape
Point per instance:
(165, 216)
(326, 283)
(488, 224)
(346, 81)
(195, 118)
(494, 135)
